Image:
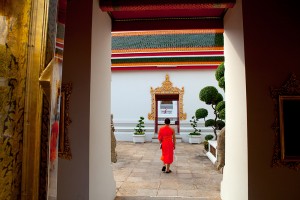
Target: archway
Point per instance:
(235, 177)
(167, 107)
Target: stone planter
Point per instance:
(138, 138)
(195, 139)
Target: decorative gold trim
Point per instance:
(167, 88)
(290, 88)
(64, 149)
(33, 100)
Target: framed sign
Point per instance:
(289, 108)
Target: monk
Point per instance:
(167, 139)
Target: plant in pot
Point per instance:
(195, 136)
(139, 131)
(211, 96)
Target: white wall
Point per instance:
(235, 177)
(131, 98)
(102, 184)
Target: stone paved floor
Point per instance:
(138, 173)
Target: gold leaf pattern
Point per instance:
(14, 26)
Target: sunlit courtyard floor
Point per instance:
(138, 173)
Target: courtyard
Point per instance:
(138, 173)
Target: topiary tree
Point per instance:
(220, 76)
(211, 96)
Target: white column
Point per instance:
(235, 177)
(101, 180)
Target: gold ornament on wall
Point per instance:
(64, 149)
(286, 136)
(167, 89)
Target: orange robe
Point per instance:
(165, 135)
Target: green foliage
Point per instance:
(220, 75)
(222, 114)
(209, 122)
(218, 98)
(139, 130)
(208, 94)
(209, 137)
(221, 83)
(220, 106)
(201, 113)
(220, 124)
(220, 71)
(217, 124)
(194, 121)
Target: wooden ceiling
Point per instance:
(132, 15)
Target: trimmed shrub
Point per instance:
(220, 106)
(201, 113)
(208, 94)
(209, 137)
(209, 122)
(221, 83)
(220, 71)
(222, 114)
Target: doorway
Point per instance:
(167, 107)
(235, 150)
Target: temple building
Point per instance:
(148, 65)
(67, 66)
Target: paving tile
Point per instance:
(183, 171)
(118, 184)
(189, 193)
(184, 176)
(187, 186)
(135, 179)
(167, 192)
(146, 192)
(168, 185)
(138, 174)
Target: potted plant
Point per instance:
(195, 136)
(139, 131)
